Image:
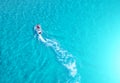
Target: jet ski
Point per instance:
(37, 28)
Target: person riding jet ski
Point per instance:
(38, 29)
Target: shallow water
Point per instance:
(86, 32)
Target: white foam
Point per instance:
(63, 56)
(72, 68)
(41, 38)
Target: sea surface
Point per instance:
(80, 41)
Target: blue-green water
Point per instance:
(88, 30)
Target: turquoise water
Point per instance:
(86, 33)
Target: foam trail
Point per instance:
(41, 38)
(63, 56)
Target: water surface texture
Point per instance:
(82, 41)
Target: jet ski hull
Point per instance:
(38, 30)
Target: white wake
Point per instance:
(63, 56)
